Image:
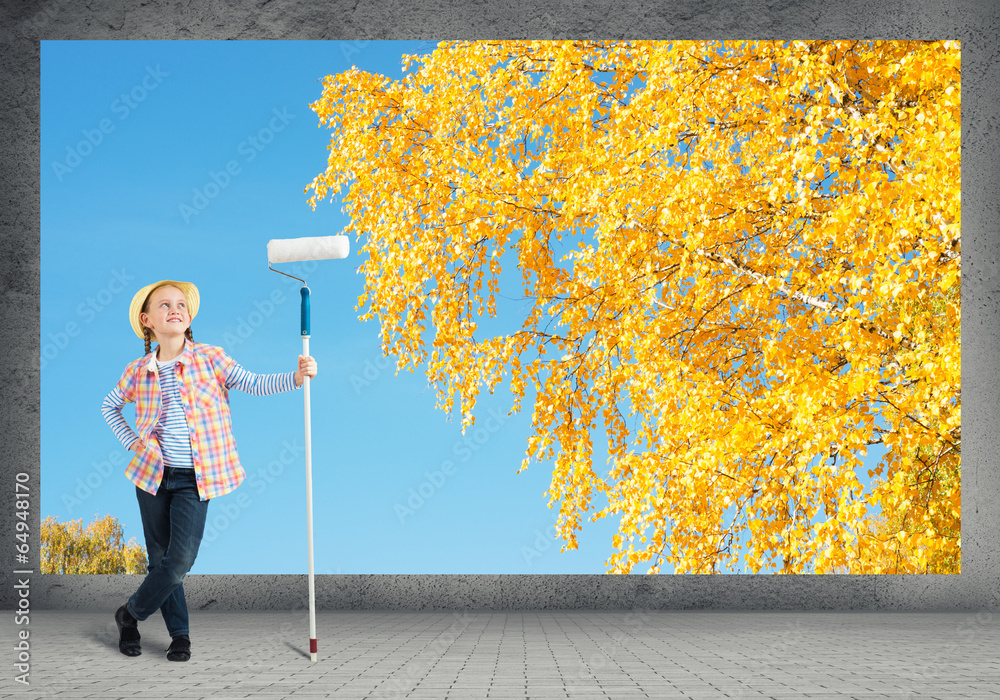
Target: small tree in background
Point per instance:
(100, 548)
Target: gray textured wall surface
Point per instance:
(977, 24)
(532, 592)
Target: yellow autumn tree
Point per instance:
(721, 247)
(98, 548)
(888, 547)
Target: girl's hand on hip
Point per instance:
(307, 368)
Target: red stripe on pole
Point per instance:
(312, 646)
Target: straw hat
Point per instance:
(135, 308)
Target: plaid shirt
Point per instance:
(202, 371)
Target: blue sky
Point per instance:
(180, 160)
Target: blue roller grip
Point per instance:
(305, 311)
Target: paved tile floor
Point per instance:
(537, 655)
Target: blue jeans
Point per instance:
(173, 522)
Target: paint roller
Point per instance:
(285, 250)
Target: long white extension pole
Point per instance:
(309, 512)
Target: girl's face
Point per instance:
(167, 313)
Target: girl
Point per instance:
(185, 453)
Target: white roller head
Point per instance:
(282, 250)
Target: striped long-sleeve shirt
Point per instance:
(183, 417)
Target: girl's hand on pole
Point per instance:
(307, 368)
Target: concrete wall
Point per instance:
(976, 24)
(529, 592)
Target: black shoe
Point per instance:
(128, 633)
(180, 648)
